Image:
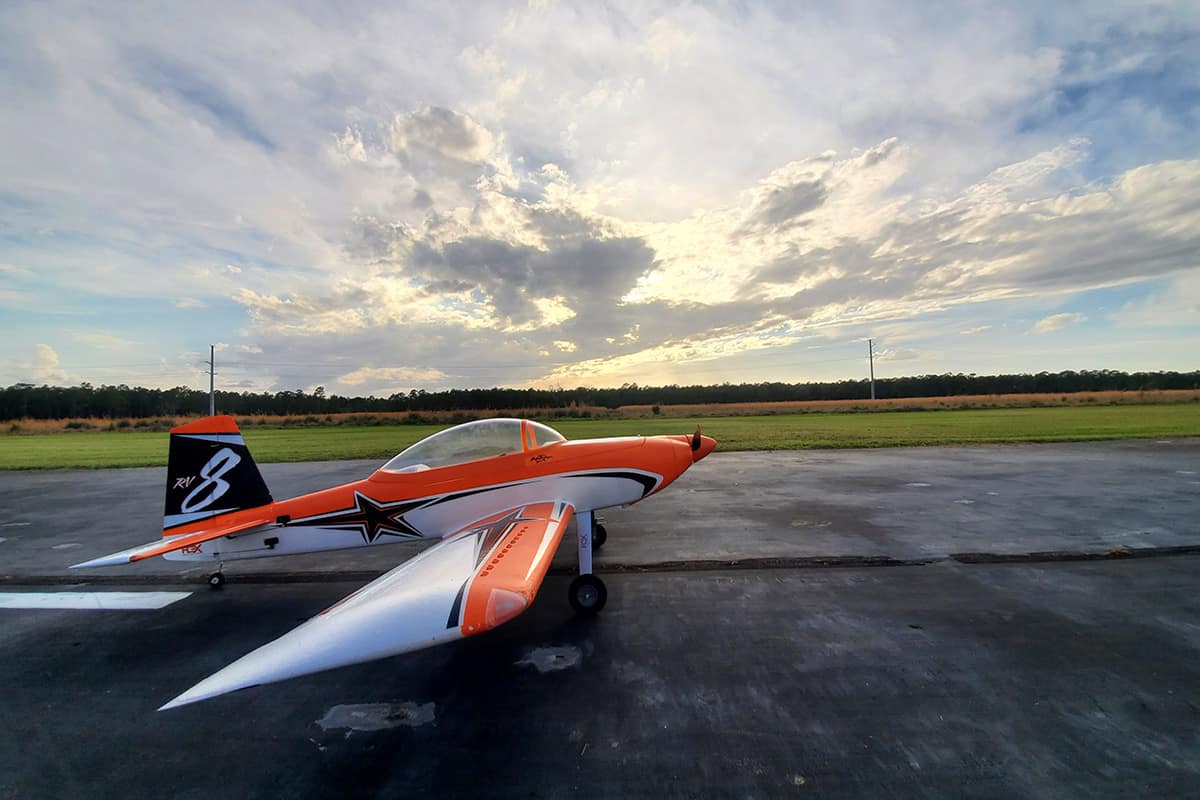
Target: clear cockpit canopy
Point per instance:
(471, 441)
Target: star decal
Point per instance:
(370, 518)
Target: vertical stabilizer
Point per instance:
(210, 472)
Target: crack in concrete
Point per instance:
(702, 565)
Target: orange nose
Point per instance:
(707, 445)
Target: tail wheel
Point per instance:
(599, 536)
(587, 594)
(216, 580)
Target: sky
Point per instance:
(381, 197)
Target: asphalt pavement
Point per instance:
(1017, 621)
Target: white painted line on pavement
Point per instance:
(91, 601)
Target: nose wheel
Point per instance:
(587, 594)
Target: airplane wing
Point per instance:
(473, 580)
(170, 543)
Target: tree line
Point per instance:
(25, 400)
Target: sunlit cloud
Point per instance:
(1056, 322)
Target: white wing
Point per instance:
(474, 580)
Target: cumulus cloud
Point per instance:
(40, 366)
(1056, 322)
(390, 375)
(443, 132)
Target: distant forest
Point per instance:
(24, 400)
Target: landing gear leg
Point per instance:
(217, 579)
(587, 592)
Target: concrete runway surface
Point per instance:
(984, 631)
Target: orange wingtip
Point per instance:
(219, 424)
(508, 581)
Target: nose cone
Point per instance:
(707, 445)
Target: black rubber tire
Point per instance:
(587, 594)
(599, 536)
(216, 580)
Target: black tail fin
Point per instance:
(210, 472)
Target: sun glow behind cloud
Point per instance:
(668, 194)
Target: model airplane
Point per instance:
(498, 493)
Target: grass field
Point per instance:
(778, 432)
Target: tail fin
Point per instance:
(210, 472)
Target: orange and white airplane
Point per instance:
(498, 493)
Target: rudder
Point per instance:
(210, 472)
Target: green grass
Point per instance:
(778, 432)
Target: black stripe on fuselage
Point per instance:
(648, 482)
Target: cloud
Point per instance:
(13, 271)
(664, 43)
(410, 377)
(784, 205)
(431, 130)
(103, 340)
(39, 367)
(976, 330)
(897, 354)
(1177, 303)
(1056, 322)
(190, 302)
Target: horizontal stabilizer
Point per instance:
(171, 543)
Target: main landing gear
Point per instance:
(587, 592)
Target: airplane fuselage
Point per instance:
(428, 504)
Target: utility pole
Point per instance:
(213, 396)
(871, 359)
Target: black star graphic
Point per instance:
(370, 517)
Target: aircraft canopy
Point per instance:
(471, 441)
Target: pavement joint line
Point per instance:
(701, 565)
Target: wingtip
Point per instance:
(195, 695)
(103, 561)
(176, 703)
